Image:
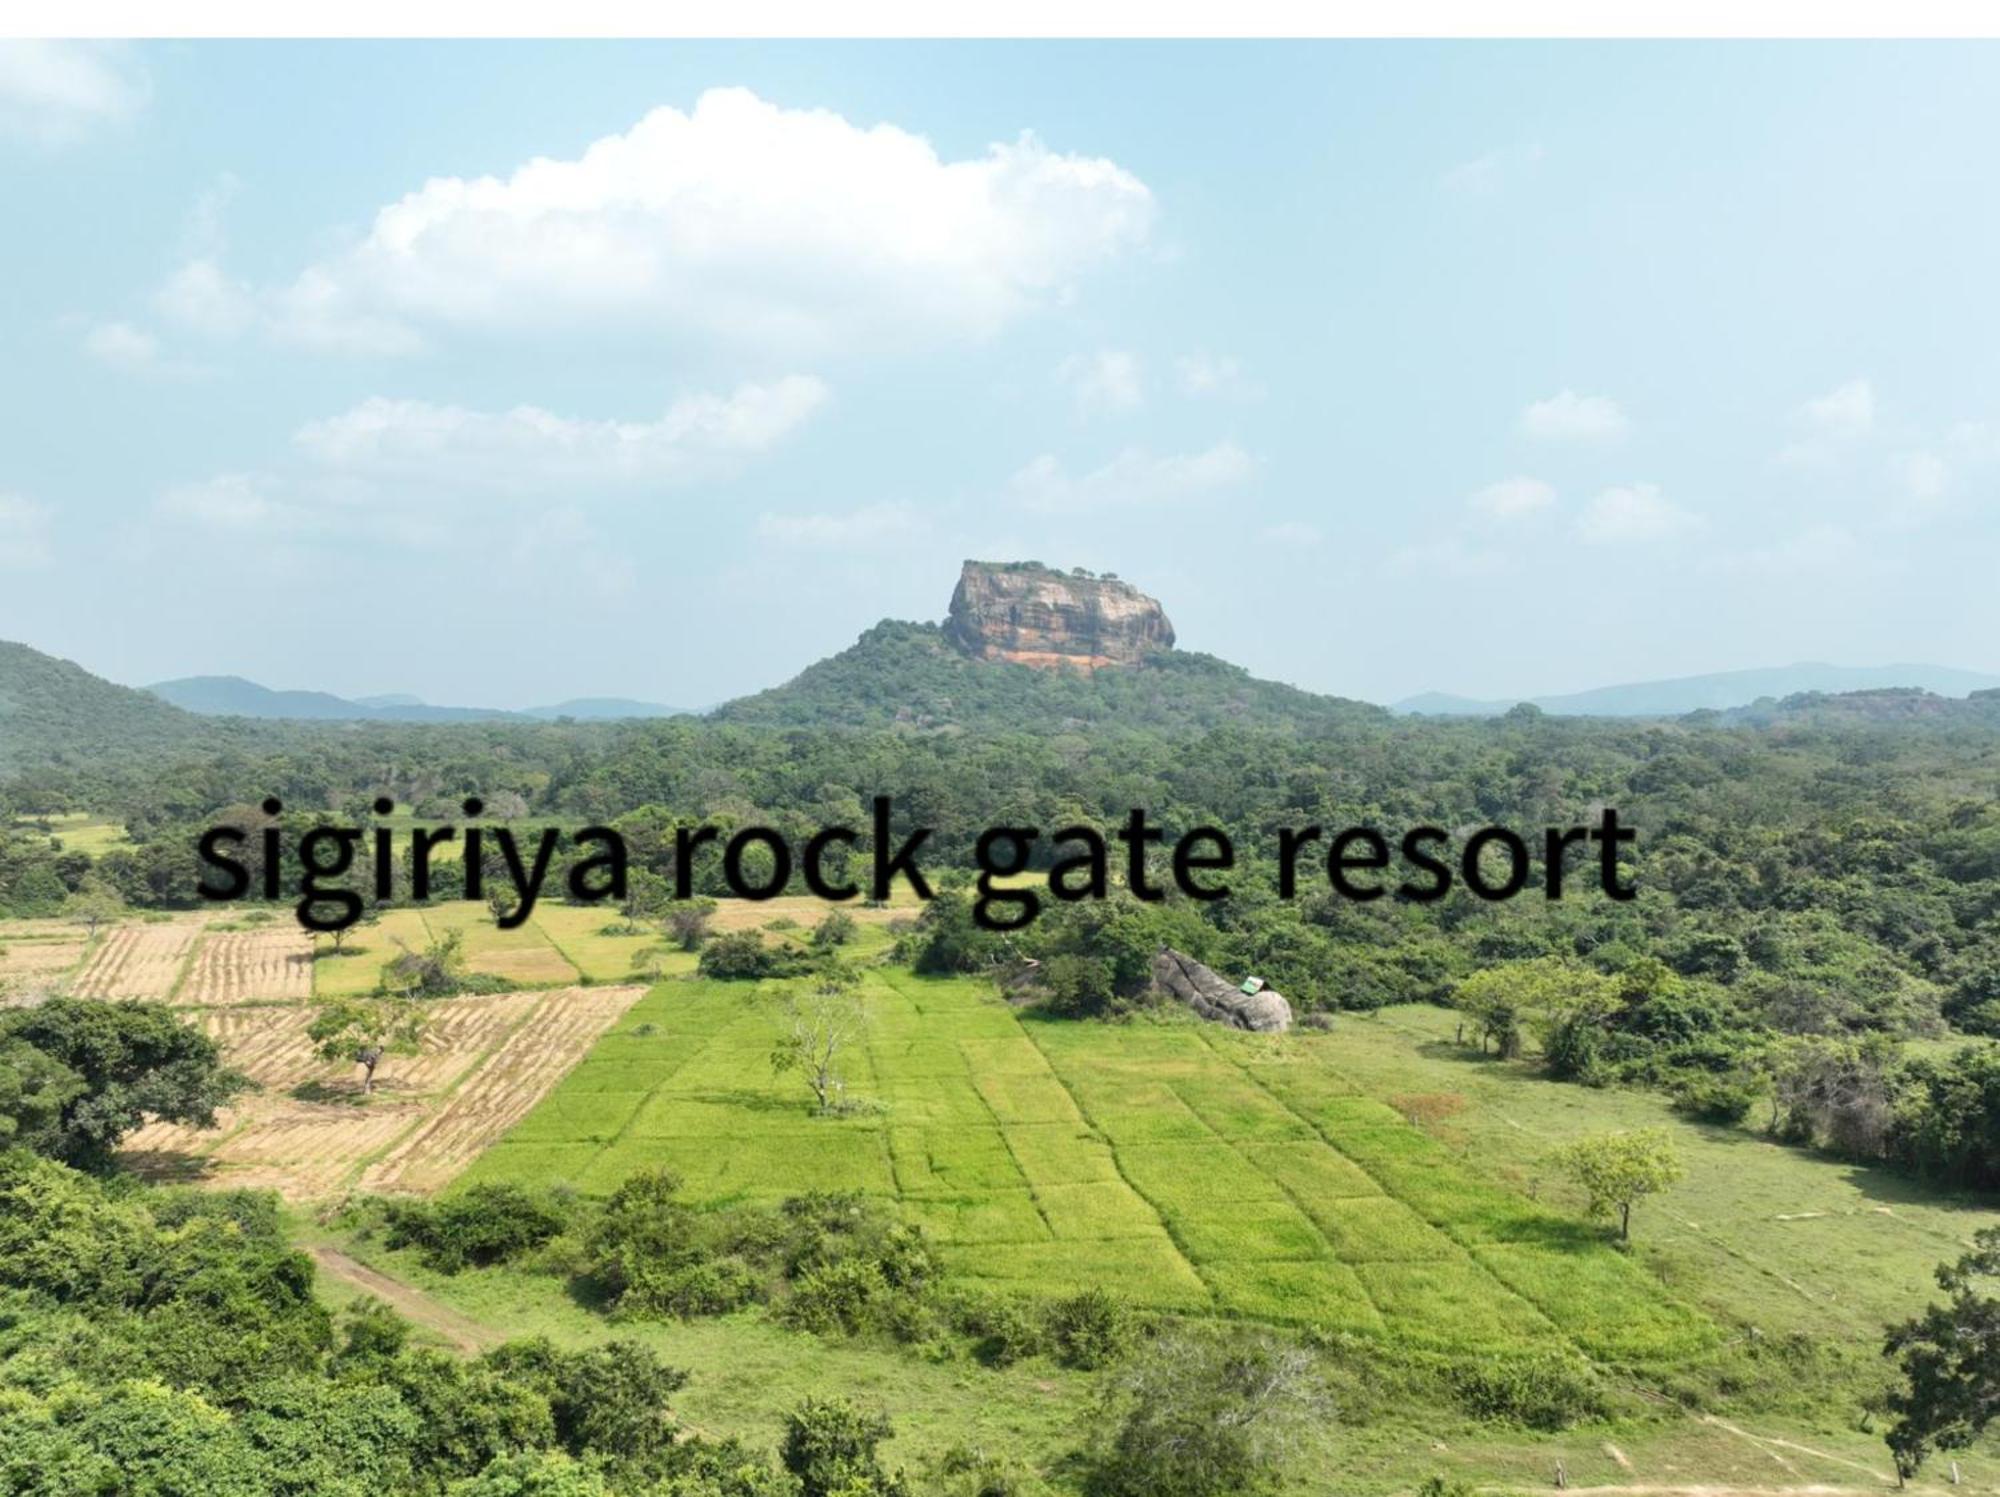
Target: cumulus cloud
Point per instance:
(1108, 382)
(1217, 376)
(1449, 555)
(56, 92)
(698, 437)
(1629, 513)
(1848, 411)
(872, 525)
(1816, 550)
(24, 533)
(229, 501)
(1567, 416)
(122, 346)
(1132, 479)
(1513, 499)
(739, 220)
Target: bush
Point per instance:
(1545, 1392)
(485, 1224)
(1003, 1331)
(742, 956)
(1088, 1330)
(1715, 1099)
(831, 1448)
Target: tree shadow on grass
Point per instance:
(168, 1166)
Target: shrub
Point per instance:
(831, 1448)
(1545, 1392)
(485, 1224)
(742, 956)
(1003, 1331)
(1088, 1330)
(1715, 1099)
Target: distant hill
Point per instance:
(1718, 692)
(56, 714)
(912, 676)
(232, 696)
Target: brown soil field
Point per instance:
(38, 958)
(250, 966)
(310, 1134)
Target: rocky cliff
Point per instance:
(1033, 615)
(1215, 998)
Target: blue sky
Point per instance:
(503, 373)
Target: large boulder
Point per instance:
(1216, 998)
(1033, 615)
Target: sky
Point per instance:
(504, 373)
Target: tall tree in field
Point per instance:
(365, 1030)
(1616, 1170)
(820, 1027)
(1950, 1359)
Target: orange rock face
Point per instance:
(1032, 615)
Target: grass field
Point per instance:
(1184, 1167)
(78, 831)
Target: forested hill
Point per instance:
(902, 675)
(56, 715)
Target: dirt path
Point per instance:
(463, 1332)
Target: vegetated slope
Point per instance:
(910, 676)
(55, 714)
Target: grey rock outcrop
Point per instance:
(1216, 998)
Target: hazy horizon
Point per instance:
(662, 370)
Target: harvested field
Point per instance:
(39, 958)
(250, 967)
(139, 961)
(501, 1092)
(484, 1063)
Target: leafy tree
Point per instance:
(1617, 1170)
(1949, 1358)
(365, 1030)
(126, 1062)
(437, 971)
(742, 956)
(92, 905)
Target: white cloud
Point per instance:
(229, 501)
(1848, 411)
(789, 229)
(1221, 376)
(1108, 382)
(1634, 512)
(530, 449)
(1568, 416)
(122, 346)
(24, 533)
(55, 92)
(1488, 175)
(1131, 479)
(872, 525)
(1513, 499)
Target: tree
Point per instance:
(742, 956)
(1208, 1414)
(1495, 1002)
(126, 1062)
(437, 971)
(365, 1030)
(1616, 1170)
(1950, 1361)
(92, 905)
(819, 1027)
(687, 923)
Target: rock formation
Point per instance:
(1033, 615)
(1216, 998)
